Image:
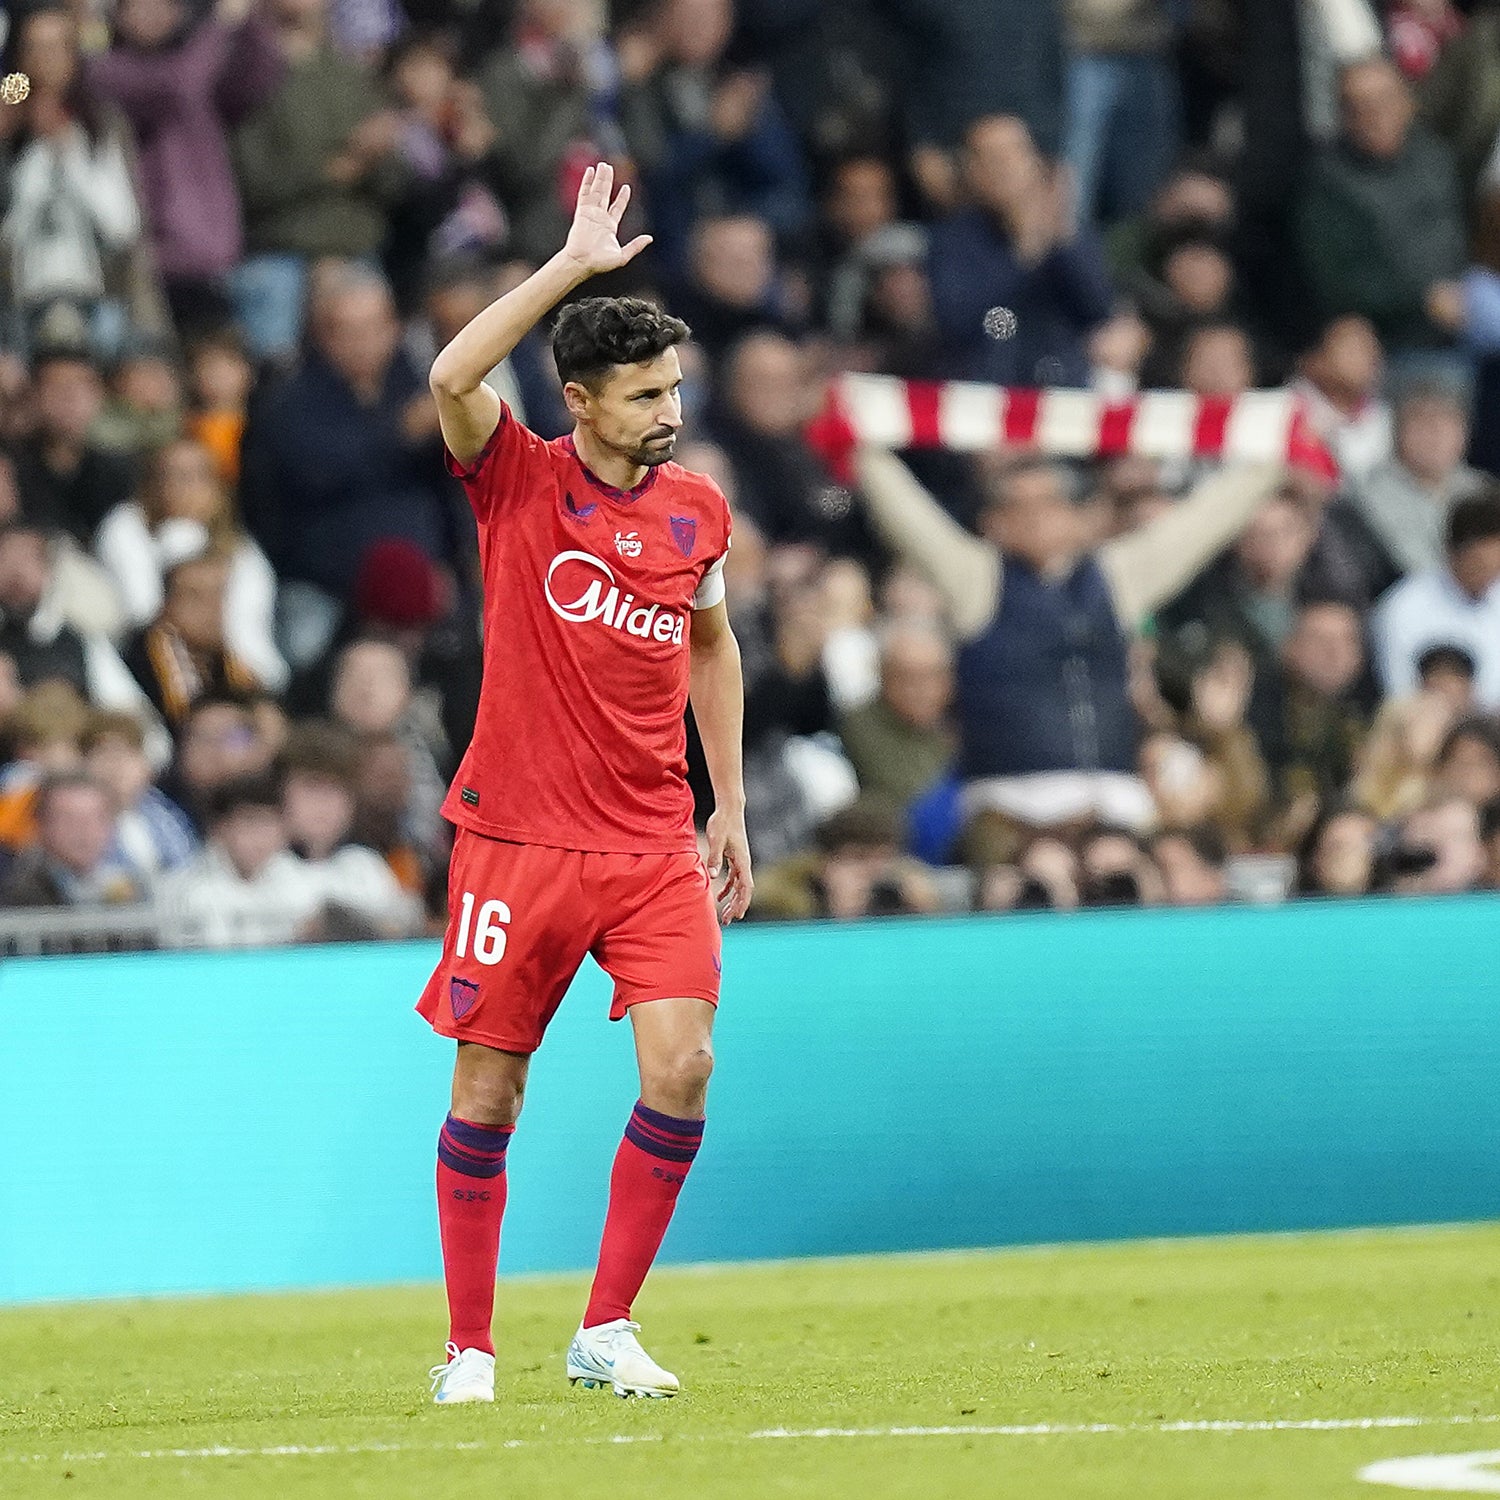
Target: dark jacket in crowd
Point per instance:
(1361, 246)
(324, 476)
(974, 267)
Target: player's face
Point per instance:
(637, 410)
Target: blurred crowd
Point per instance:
(239, 606)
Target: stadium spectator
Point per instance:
(144, 406)
(246, 888)
(71, 864)
(1455, 604)
(371, 696)
(1217, 359)
(72, 225)
(318, 172)
(766, 400)
(345, 452)
(37, 637)
(707, 137)
(220, 741)
(1124, 115)
(66, 480)
(1337, 855)
(1047, 730)
(1468, 764)
(152, 834)
(552, 98)
(901, 743)
(1406, 499)
(220, 380)
(42, 736)
(1189, 281)
(185, 79)
(1397, 758)
(448, 209)
(857, 870)
(384, 818)
(1017, 247)
(1211, 771)
(1115, 870)
(319, 771)
(1191, 862)
(1361, 198)
(1438, 851)
(1339, 382)
(182, 511)
(182, 655)
(733, 283)
(859, 201)
(897, 323)
(1312, 715)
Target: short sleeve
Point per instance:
(509, 468)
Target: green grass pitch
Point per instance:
(125, 1400)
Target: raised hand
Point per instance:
(594, 240)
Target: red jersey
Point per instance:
(589, 591)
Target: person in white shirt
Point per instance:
(246, 889)
(320, 765)
(182, 512)
(1458, 604)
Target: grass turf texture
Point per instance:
(1396, 1323)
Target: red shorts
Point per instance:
(521, 917)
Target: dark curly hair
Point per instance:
(594, 335)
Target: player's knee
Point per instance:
(683, 1076)
(487, 1095)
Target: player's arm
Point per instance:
(468, 410)
(717, 692)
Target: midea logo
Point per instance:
(601, 600)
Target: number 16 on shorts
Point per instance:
(488, 930)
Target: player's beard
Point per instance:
(656, 448)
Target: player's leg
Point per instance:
(488, 1086)
(674, 1050)
(513, 944)
(664, 955)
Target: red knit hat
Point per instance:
(398, 584)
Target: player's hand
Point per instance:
(594, 240)
(729, 846)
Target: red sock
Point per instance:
(650, 1168)
(471, 1200)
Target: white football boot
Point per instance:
(612, 1355)
(468, 1375)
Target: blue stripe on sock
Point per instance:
(669, 1122)
(466, 1165)
(655, 1148)
(486, 1138)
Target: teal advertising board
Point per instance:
(219, 1122)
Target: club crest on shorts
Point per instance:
(462, 993)
(684, 533)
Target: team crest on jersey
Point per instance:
(462, 993)
(684, 533)
(577, 511)
(628, 544)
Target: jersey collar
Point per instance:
(619, 496)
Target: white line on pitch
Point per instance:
(774, 1434)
